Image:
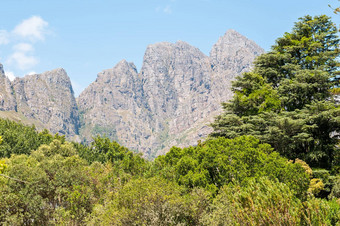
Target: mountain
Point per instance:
(171, 101)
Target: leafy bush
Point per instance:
(220, 161)
(143, 202)
(20, 139)
(36, 187)
(260, 202)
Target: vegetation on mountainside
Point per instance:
(273, 158)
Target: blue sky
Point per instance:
(87, 36)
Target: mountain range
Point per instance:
(170, 102)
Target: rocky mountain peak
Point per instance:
(124, 65)
(122, 74)
(49, 98)
(234, 52)
(231, 37)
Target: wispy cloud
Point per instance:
(167, 9)
(22, 60)
(22, 56)
(23, 47)
(33, 28)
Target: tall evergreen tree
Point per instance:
(286, 100)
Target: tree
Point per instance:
(286, 100)
(302, 64)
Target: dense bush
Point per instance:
(221, 161)
(20, 139)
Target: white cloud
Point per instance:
(167, 9)
(23, 47)
(22, 60)
(33, 28)
(4, 37)
(10, 75)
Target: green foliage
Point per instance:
(335, 193)
(219, 182)
(268, 202)
(260, 202)
(335, 10)
(316, 186)
(20, 139)
(3, 166)
(253, 96)
(335, 91)
(304, 134)
(143, 202)
(36, 186)
(103, 150)
(320, 212)
(311, 45)
(220, 161)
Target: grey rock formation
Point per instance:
(7, 100)
(233, 52)
(49, 98)
(231, 56)
(114, 106)
(177, 93)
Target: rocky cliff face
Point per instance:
(231, 56)
(171, 101)
(47, 98)
(114, 105)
